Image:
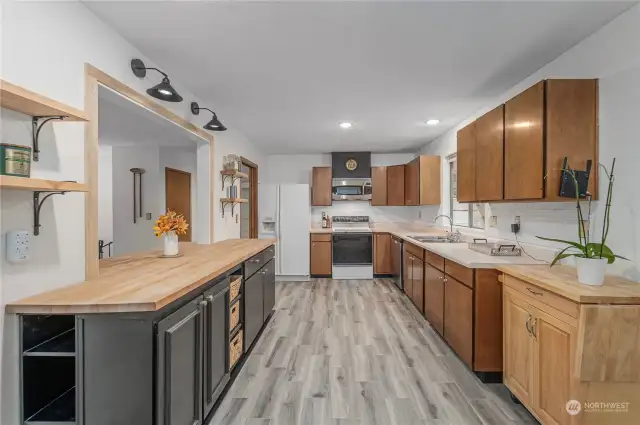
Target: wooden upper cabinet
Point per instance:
(379, 186)
(489, 155)
(321, 186)
(382, 263)
(524, 144)
(466, 164)
(411, 183)
(395, 185)
(571, 118)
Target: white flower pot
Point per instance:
(171, 246)
(591, 270)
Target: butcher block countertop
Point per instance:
(562, 280)
(143, 282)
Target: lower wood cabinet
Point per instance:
(382, 260)
(413, 275)
(518, 348)
(321, 255)
(458, 318)
(434, 297)
(418, 284)
(407, 274)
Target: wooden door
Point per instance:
(407, 273)
(571, 121)
(518, 348)
(178, 196)
(490, 155)
(395, 185)
(382, 253)
(321, 186)
(458, 318)
(411, 182)
(524, 144)
(418, 284)
(378, 186)
(429, 180)
(466, 163)
(434, 297)
(321, 258)
(553, 364)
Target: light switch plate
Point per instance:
(17, 246)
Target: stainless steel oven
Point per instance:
(352, 249)
(351, 189)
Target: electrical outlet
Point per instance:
(517, 221)
(17, 246)
(493, 222)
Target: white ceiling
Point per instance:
(123, 122)
(286, 73)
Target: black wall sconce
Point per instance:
(214, 124)
(164, 90)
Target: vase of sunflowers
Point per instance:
(169, 226)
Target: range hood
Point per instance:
(351, 165)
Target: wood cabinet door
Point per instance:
(396, 267)
(412, 182)
(407, 274)
(434, 297)
(553, 364)
(395, 185)
(518, 348)
(418, 284)
(429, 180)
(253, 308)
(458, 318)
(382, 253)
(524, 144)
(466, 164)
(378, 186)
(321, 258)
(216, 345)
(490, 155)
(321, 186)
(268, 289)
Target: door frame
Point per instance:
(190, 200)
(253, 196)
(94, 78)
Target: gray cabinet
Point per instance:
(179, 366)
(268, 289)
(253, 308)
(216, 341)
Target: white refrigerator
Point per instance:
(284, 213)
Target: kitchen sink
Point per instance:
(432, 239)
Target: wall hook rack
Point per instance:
(37, 205)
(36, 127)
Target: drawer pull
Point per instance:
(534, 292)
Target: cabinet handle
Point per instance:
(534, 292)
(446, 280)
(209, 298)
(527, 325)
(203, 303)
(257, 260)
(534, 333)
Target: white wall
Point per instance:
(296, 169)
(74, 37)
(105, 194)
(612, 55)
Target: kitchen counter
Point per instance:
(458, 252)
(143, 282)
(562, 280)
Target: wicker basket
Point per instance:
(235, 349)
(234, 289)
(234, 315)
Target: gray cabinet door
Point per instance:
(179, 366)
(216, 344)
(253, 317)
(268, 289)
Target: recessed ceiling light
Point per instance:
(433, 122)
(345, 124)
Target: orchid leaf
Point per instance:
(573, 244)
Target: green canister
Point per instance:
(15, 160)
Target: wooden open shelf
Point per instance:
(234, 173)
(233, 200)
(27, 102)
(27, 183)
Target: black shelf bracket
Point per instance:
(36, 126)
(37, 205)
(232, 177)
(225, 203)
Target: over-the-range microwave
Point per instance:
(351, 190)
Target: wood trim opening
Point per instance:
(253, 196)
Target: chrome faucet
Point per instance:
(453, 237)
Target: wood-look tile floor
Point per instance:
(340, 352)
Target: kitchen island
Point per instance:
(151, 341)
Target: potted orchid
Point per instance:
(591, 257)
(169, 226)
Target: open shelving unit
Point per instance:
(233, 175)
(232, 202)
(28, 183)
(48, 369)
(33, 104)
